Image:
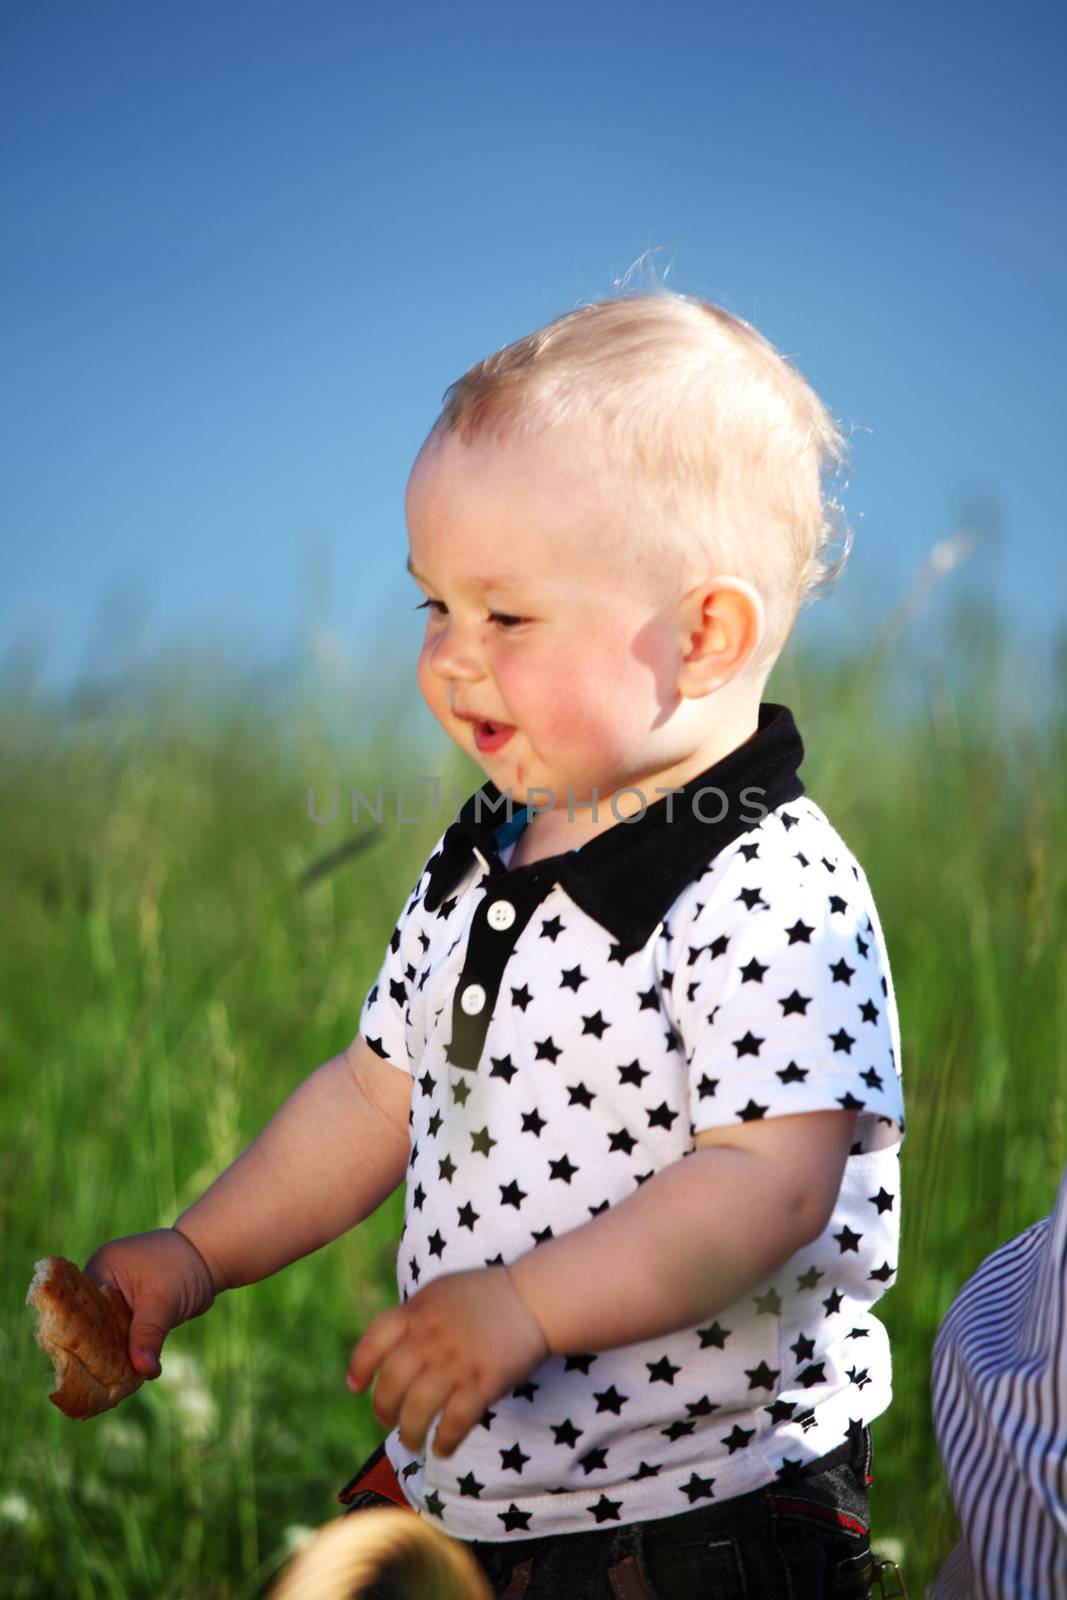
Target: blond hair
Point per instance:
(733, 450)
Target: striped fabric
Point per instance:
(1000, 1413)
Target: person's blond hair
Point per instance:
(727, 443)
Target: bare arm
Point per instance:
(693, 1238)
(328, 1157)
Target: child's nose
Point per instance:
(455, 654)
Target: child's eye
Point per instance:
(425, 605)
(505, 621)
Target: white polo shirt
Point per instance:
(570, 1026)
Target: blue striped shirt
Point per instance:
(1000, 1414)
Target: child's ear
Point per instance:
(721, 623)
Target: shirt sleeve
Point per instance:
(383, 1020)
(783, 1002)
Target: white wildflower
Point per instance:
(14, 1508)
(182, 1384)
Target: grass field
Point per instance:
(166, 979)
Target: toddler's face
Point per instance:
(543, 656)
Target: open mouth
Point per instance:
(490, 736)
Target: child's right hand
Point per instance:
(164, 1280)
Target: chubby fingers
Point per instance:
(379, 1337)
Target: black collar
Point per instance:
(627, 877)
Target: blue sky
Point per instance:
(247, 246)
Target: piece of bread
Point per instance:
(85, 1329)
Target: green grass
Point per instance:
(165, 981)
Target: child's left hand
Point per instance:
(459, 1343)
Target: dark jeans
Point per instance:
(808, 1539)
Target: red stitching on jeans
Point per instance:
(809, 1508)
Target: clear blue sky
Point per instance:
(247, 245)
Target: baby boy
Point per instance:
(633, 1046)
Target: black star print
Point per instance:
(547, 1050)
(562, 1169)
(566, 1432)
(446, 908)
(833, 1302)
(792, 1073)
(521, 996)
(467, 1216)
(842, 971)
(847, 1240)
(738, 1438)
(662, 1116)
(418, 1197)
(482, 1141)
(649, 998)
(718, 946)
(461, 1091)
(426, 1083)
(398, 992)
(678, 1430)
(837, 904)
(446, 1168)
(595, 1025)
(803, 1347)
(858, 1376)
(605, 1510)
(788, 820)
(619, 954)
(795, 1003)
(715, 1336)
(433, 1127)
(572, 977)
(701, 1408)
(436, 1243)
(800, 932)
(469, 1485)
(812, 1375)
(533, 1122)
(512, 1195)
(512, 1518)
(883, 1273)
(503, 1067)
(593, 1460)
(882, 1201)
(633, 1073)
(513, 1459)
(579, 1363)
(551, 928)
(802, 858)
(769, 1304)
(861, 946)
(610, 1400)
(763, 1376)
(869, 1011)
(622, 1140)
(662, 1371)
(809, 1279)
(747, 1045)
(871, 1078)
(780, 1411)
(698, 1488)
(752, 971)
(706, 1087)
(752, 1112)
(842, 1041)
(752, 897)
(579, 1095)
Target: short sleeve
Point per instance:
(383, 1019)
(782, 999)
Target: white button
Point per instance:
(501, 914)
(472, 999)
